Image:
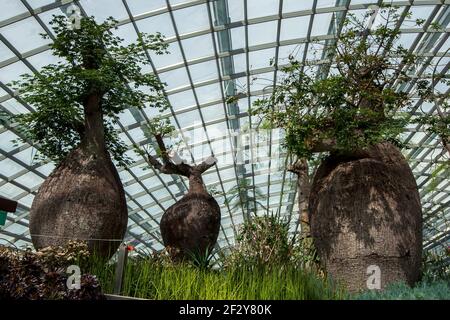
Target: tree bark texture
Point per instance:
(190, 227)
(83, 198)
(365, 211)
(300, 168)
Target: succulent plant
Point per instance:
(42, 275)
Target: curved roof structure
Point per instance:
(218, 48)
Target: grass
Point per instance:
(152, 280)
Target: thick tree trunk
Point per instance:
(83, 198)
(300, 168)
(365, 211)
(190, 227)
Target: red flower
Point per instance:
(130, 248)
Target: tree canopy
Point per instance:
(92, 58)
(349, 101)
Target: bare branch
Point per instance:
(162, 148)
(205, 165)
(169, 167)
(153, 161)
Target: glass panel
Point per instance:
(262, 33)
(203, 71)
(141, 6)
(261, 58)
(5, 53)
(15, 107)
(103, 9)
(213, 112)
(11, 8)
(326, 3)
(294, 28)
(13, 71)
(164, 60)
(175, 78)
(43, 59)
(127, 33)
(182, 99)
(198, 47)
(236, 10)
(9, 168)
(208, 93)
(160, 23)
(192, 19)
(39, 3)
(257, 9)
(190, 118)
(321, 24)
(296, 5)
(24, 35)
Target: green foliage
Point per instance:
(261, 241)
(26, 275)
(93, 61)
(158, 125)
(202, 259)
(244, 195)
(354, 106)
(151, 279)
(264, 243)
(264, 266)
(439, 290)
(435, 265)
(440, 173)
(437, 125)
(435, 283)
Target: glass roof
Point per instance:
(217, 48)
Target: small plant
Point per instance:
(439, 290)
(264, 242)
(202, 259)
(435, 266)
(25, 275)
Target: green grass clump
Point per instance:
(265, 264)
(145, 278)
(438, 290)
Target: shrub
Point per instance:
(439, 290)
(436, 266)
(42, 275)
(265, 242)
(262, 241)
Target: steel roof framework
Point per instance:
(425, 152)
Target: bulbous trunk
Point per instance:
(190, 227)
(365, 211)
(83, 198)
